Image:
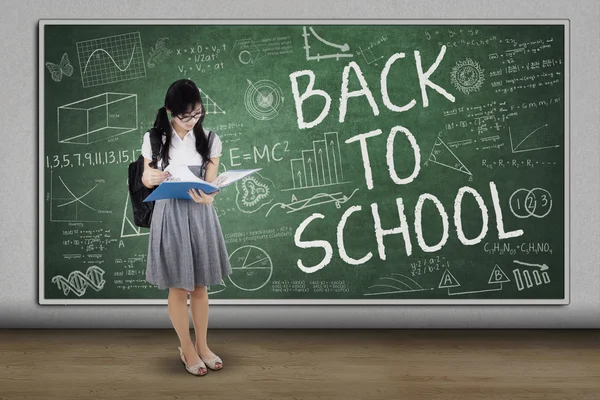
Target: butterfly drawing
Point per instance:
(64, 68)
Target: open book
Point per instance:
(182, 179)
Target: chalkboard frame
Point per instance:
(566, 146)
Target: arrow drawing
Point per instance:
(543, 267)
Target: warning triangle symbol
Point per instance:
(448, 280)
(498, 276)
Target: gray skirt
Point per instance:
(186, 247)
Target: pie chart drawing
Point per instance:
(251, 268)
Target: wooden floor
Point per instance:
(303, 364)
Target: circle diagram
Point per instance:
(467, 76)
(263, 99)
(251, 268)
(536, 202)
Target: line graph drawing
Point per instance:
(317, 199)
(390, 285)
(442, 155)
(78, 282)
(66, 206)
(320, 166)
(111, 59)
(339, 50)
(534, 140)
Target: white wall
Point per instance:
(19, 161)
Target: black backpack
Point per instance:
(142, 211)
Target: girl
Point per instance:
(186, 249)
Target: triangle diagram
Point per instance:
(498, 276)
(442, 155)
(448, 280)
(128, 228)
(209, 105)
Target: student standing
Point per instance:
(186, 249)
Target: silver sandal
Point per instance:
(212, 363)
(194, 369)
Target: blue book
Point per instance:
(183, 179)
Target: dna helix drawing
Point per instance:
(77, 282)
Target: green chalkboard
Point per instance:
(401, 163)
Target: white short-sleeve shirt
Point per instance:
(183, 151)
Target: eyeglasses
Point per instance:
(190, 117)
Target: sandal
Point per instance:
(212, 364)
(194, 369)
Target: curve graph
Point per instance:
(111, 59)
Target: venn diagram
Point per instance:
(525, 203)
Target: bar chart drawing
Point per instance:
(320, 166)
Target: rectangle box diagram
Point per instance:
(97, 118)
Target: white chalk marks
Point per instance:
(399, 283)
(57, 71)
(543, 267)
(253, 193)
(442, 155)
(497, 278)
(525, 203)
(111, 59)
(251, 268)
(71, 205)
(128, 228)
(523, 278)
(318, 199)
(536, 139)
(209, 105)
(467, 76)
(263, 99)
(320, 166)
(97, 118)
(247, 52)
(214, 289)
(77, 282)
(390, 285)
(335, 50)
(158, 52)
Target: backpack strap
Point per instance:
(205, 162)
(155, 143)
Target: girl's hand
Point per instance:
(154, 177)
(200, 197)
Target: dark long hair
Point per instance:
(182, 96)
